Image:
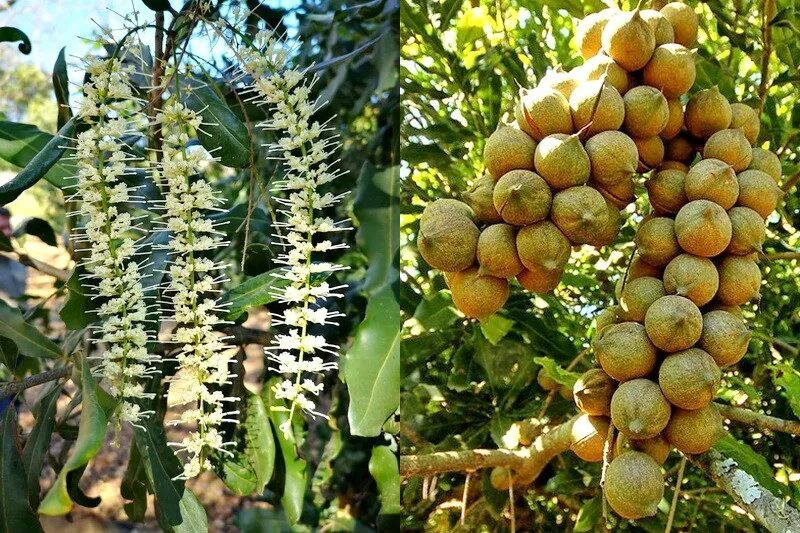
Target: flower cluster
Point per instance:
(202, 355)
(305, 153)
(109, 108)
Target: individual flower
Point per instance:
(305, 150)
(110, 109)
(202, 355)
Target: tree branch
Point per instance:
(791, 182)
(15, 387)
(44, 268)
(158, 72)
(413, 437)
(768, 510)
(759, 420)
(766, 52)
(777, 256)
(527, 463)
(461, 461)
(241, 336)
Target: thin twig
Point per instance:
(789, 138)
(675, 494)
(547, 401)
(791, 182)
(159, 63)
(511, 506)
(411, 434)
(608, 445)
(759, 420)
(239, 336)
(41, 266)
(766, 52)
(628, 267)
(464, 499)
(778, 256)
(15, 387)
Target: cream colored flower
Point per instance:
(305, 153)
(107, 107)
(203, 357)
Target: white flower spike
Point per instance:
(305, 155)
(111, 110)
(203, 357)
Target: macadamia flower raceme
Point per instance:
(109, 107)
(202, 356)
(305, 155)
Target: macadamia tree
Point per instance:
(669, 227)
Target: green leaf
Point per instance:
(384, 468)
(508, 366)
(158, 5)
(38, 152)
(27, 338)
(77, 311)
(569, 481)
(223, 133)
(544, 336)
(38, 442)
(588, 515)
(377, 209)
(76, 493)
(322, 65)
(37, 227)
(258, 290)
(194, 519)
(789, 378)
(178, 509)
(10, 35)
(461, 372)
(554, 370)
(496, 327)
(448, 10)
(436, 312)
(8, 353)
(294, 467)
(91, 434)
(240, 479)
(371, 367)
(61, 89)
(16, 513)
(272, 520)
(751, 462)
(134, 486)
(260, 445)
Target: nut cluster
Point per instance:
(558, 176)
(679, 318)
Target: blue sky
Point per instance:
(55, 23)
(51, 24)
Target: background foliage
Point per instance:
(335, 474)
(467, 384)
